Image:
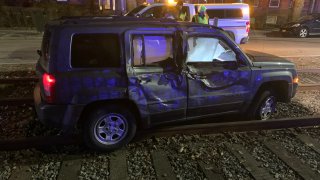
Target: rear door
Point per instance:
(218, 81)
(156, 84)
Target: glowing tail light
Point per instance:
(247, 26)
(49, 82)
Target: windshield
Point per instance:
(135, 10)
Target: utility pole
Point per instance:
(297, 9)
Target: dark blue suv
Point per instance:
(114, 75)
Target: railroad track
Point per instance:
(162, 161)
(17, 81)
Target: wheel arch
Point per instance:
(279, 87)
(118, 102)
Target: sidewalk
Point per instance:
(19, 34)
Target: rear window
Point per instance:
(45, 48)
(225, 13)
(95, 50)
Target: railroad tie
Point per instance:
(21, 173)
(293, 162)
(249, 162)
(162, 165)
(118, 165)
(210, 171)
(310, 142)
(70, 168)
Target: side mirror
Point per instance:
(39, 52)
(138, 15)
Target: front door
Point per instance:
(155, 82)
(316, 27)
(218, 82)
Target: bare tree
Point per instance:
(131, 4)
(297, 9)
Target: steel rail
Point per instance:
(238, 126)
(16, 101)
(208, 128)
(18, 80)
(38, 142)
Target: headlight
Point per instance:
(295, 25)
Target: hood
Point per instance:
(260, 59)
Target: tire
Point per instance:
(303, 32)
(263, 106)
(109, 128)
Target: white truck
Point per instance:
(234, 18)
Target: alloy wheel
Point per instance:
(267, 108)
(303, 33)
(111, 129)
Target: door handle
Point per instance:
(195, 76)
(144, 79)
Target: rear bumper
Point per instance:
(64, 117)
(244, 40)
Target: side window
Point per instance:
(151, 50)
(154, 12)
(45, 48)
(209, 49)
(225, 13)
(95, 50)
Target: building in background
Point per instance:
(276, 12)
(263, 12)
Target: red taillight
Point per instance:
(247, 26)
(48, 84)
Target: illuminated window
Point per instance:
(225, 13)
(274, 3)
(151, 50)
(95, 51)
(256, 3)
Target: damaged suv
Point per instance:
(112, 76)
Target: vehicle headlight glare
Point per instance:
(296, 25)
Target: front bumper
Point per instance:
(289, 30)
(64, 117)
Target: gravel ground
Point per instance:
(139, 161)
(293, 145)
(309, 100)
(306, 62)
(251, 141)
(95, 166)
(16, 90)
